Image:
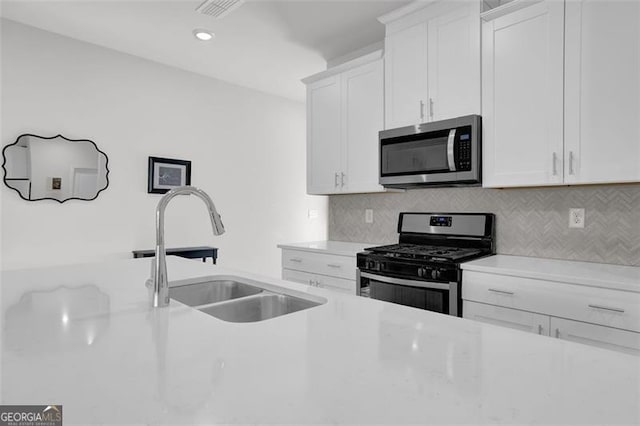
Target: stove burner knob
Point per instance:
(420, 272)
(435, 274)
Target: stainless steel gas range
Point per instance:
(423, 269)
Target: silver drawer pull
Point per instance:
(501, 291)
(605, 308)
(334, 265)
(296, 259)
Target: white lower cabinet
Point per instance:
(595, 316)
(506, 317)
(596, 335)
(561, 328)
(320, 269)
(317, 280)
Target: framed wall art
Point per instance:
(165, 174)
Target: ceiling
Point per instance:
(264, 45)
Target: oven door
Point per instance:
(431, 296)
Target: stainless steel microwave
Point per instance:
(440, 153)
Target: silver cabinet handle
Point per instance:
(334, 265)
(421, 110)
(557, 333)
(502, 291)
(431, 108)
(335, 179)
(296, 259)
(570, 162)
(606, 308)
(554, 160)
(342, 176)
(539, 329)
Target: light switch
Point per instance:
(368, 216)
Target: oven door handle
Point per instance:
(409, 283)
(450, 150)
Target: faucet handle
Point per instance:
(149, 282)
(152, 273)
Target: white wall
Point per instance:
(247, 151)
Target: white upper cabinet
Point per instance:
(406, 77)
(522, 107)
(344, 115)
(454, 63)
(432, 62)
(561, 93)
(602, 91)
(324, 136)
(363, 117)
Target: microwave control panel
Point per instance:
(463, 145)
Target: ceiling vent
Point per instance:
(218, 8)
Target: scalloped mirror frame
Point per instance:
(106, 166)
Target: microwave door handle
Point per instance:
(450, 150)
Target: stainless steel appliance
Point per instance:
(423, 269)
(441, 153)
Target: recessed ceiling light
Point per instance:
(203, 35)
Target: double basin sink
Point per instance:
(236, 299)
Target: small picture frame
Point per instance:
(165, 174)
(56, 183)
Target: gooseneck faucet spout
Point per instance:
(158, 279)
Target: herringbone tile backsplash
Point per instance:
(529, 222)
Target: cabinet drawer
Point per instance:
(297, 276)
(512, 318)
(596, 335)
(322, 281)
(320, 263)
(611, 308)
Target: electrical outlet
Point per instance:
(368, 216)
(576, 218)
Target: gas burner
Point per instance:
(424, 252)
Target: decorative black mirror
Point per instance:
(55, 168)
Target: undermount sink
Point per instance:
(205, 293)
(236, 299)
(258, 308)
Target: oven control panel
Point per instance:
(408, 270)
(440, 221)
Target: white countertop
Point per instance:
(85, 337)
(602, 275)
(340, 248)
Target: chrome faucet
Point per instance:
(158, 279)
